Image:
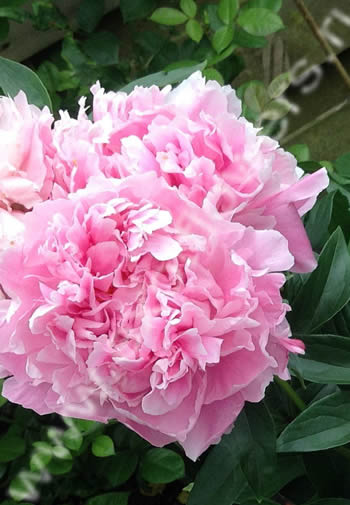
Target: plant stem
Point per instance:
(287, 388)
(323, 41)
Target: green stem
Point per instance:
(287, 388)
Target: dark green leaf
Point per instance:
(310, 166)
(327, 359)
(109, 499)
(320, 213)
(257, 445)
(11, 447)
(59, 466)
(214, 21)
(121, 467)
(72, 54)
(327, 289)
(227, 10)
(15, 77)
(189, 7)
(244, 39)
(194, 30)
(103, 48)
(40, 457)
(342, 165)
(323, 425)
(160, 466)
(136, 9)
(164, 78)
(4, 29)
(168, 16)
(260, 21)
(103, 446)
(89, 14)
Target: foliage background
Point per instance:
(293, 448)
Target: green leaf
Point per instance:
(72, 54)
(194, 30)
(342, 165)
(189, 7)
(300, 151)
(222, 38)
(59, 466)
(41, 456)
(211, 74)
(276, 110)
(164, 78)
(137, 9)
(244, 39)
(103, 48)
(90, 13)
(213, 19)
(227, 10)
(15, 77)
(121, 467)
(257, 445)
(327, 359)
(248, 452)
(255, 96)
(279, 85)
(160, 466)
(11, 447)
(168, 16)
(323, 425)
(73, 439)
(260, 22)
(103, 446)
(273, 5)
(327, 289)
(320, 213)
(109, 499)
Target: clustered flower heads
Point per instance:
(142, 259)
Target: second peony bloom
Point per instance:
(146, 288)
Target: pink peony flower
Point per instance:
(25, 136)
(147, 289)
(193, 137)
(133, 301)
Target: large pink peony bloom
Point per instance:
(129, 301)
(193, 137)
(147, 289)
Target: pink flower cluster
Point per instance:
(142, 259)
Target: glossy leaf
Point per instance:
(327, 359)
(227, 10)
(320, 213)
(102, 446)
(323, 425)
(160, 466)
(189, 7)
(327, 289)
(164, 78)
(222, 38)
(260, 21)
(121, 467)
(15, 77)
(168, 16)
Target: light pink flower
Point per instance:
(129, 301)
(25, 137)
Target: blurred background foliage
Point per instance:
(265, 49)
